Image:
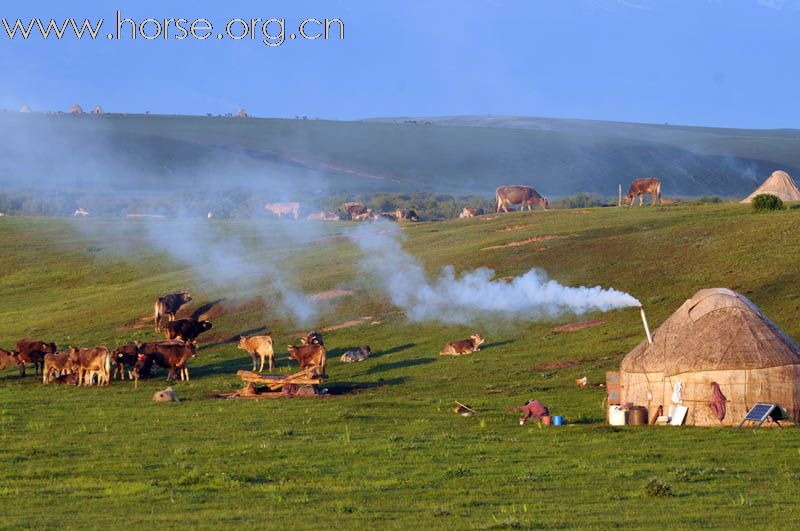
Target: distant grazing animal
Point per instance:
(312, 338)
(391, 216)
(30, 351)
(56, 363)
(465, 346)
(640, 187)
(123, 356)
(8, 357)
(186, 329)
(90, 361)
(309, 356)
(366, 216)
(171, 355)
(353, 209)
(167, 306)
(323, 216)
(283, 209)
(470, 212)
(259, 347)
(406, 214)
(518, 195)
(354, 356)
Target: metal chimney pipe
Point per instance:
(646, 326)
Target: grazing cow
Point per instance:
(353, 356)
(640, 187)
(90, 361)
(170, 355)
(56, 363)
(168, 305)
(186, 329)
(122, 356)
(8, 357)
(470, 212)
(309, 356)
(312, 338)
(283, 209)
(465, 346)
(406, 214)
(518, 195)
(30, 351)
(323, 216)
(353, 209)
(259, 347)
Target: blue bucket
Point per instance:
(558, 420)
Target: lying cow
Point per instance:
(88, 362)
(470, 212)
(186, 329)
(259, 347)
(323, 216)
(33, 352)
(170, 355)
(359, 354)
(366, 216)
(465, 346)
(309, 356)
(518, 195)
(640, 187)
(56, 365)
(167, 306)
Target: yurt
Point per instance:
(779, 184)
(25, 108)
(242, 114)
(97, 110)
(716, 336)
(75, 109)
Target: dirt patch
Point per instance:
(581, 211)
(347, 324)
(527, 241)
(561, 364)
(331, 294)
(512, 227)
(572, 327)
(489, 218)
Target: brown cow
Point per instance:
(168, 305)
(465, 346)
(171, 355)
(56, 363)
(640, 187)
(8, 357)
(90, 361)
(518, 195)
(186, 329)
(470, 212)
(406, 214)
(353, 209)
(259, 347)
(283, 209)
(309, 356)
(366, 216)
(31, 351)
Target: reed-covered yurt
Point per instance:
(779, 184)
(716, 336)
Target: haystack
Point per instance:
(716, 336)
(75, 109)
(98, 110)
(25, 108)
(779, 184)
(242, 114)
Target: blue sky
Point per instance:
(731, 63)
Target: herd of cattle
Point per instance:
(505, 196)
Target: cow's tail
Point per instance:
(497, 203)
(159, 308)
(658, 193)
(107, 366)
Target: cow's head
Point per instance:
(242, 342)
(292, 352)
(205, 325)
(477, 339)
(628, 199)
(73, 353)
(186, 297)
(51, 348)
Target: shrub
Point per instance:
(767, 202)
(657, 488)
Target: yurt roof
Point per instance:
(717, 329)
(75, 109)
(25, 108)
(779, 184)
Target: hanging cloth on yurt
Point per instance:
(718, 400)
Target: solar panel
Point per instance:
(760, 412)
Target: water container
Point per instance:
(638, 416)
(558, 420)
(616, 416)
(546, 420)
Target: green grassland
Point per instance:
(386, 450)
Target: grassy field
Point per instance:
(386, 450)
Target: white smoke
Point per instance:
(475, 294)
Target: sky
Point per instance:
(726, 63)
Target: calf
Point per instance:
(312, 338)
(31, 351)
(8, 357)
(171, 355)
(185, 329)
(465, 346)
(90, 361)
(470, 212)
(122, 356)
(259, 347)
(309, 356)
(56, 363)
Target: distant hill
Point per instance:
(292, 159)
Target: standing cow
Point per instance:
(640, 187)
(309, 356)
(283, 209)
(33, 352)
(170, 355)
(518, 195)
(259, 347)
(186, 329)
(90, 361)
(168, 305)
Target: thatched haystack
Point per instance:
(779, 184)
(25, 108)
(242, 114)
(97, 110)
(716, 336)
(75, 109)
